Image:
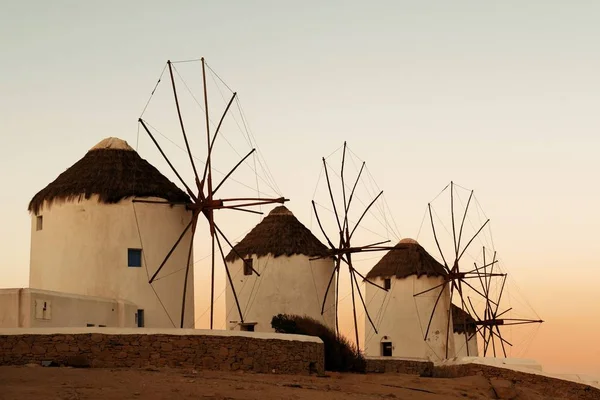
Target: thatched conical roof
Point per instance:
(406, 259)
(460, 318)
(279, 234)
(113, 171)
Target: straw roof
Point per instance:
(113, 171)
(279, 234)
(459, 318)
(408, 258)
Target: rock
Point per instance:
(32, 365)
(62, 347)
(79, 361)
(503, 389)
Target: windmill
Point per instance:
(489, 320)
(341, 244)
(204, 200)
(472, 282)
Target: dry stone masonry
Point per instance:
(226, 353)
(399, 366)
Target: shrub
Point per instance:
(340, 354)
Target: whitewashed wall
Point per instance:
(404, 318)
(33, 308)
(82, 249)
(287, 285)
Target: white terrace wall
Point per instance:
(287, 285)
(402, 319)
(82, 248)
(32, 308)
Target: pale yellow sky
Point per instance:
(501, 98)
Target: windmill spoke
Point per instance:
(463, 220)
(354, 187)
(500, 295)
(237, 303)
(212, 277)
(477, 291)
(369, 281)
(208, 165)
(352, 271)
(473, 308)
(479, 268)
(432, 288)
(187, 145)
(473, 238)
(436, 238)
(321, 226)
(354, 310)
(337, 298)
(212, 143)
(434, 308)
(187, 270)
(337, 217)
(503, 312)
(337, 266)
(449, 319)
(219, 204)
(232, 247)
(245, 210)
(345, 225)
(501, 341)
(364, 213)
(378, 243)
(452, 213)
(165, 202)
(194, 218)
(192, 195)
(233, 170)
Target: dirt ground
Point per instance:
(36, 382)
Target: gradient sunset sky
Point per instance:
(501, 97)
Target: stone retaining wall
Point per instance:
(551, 387)
(285, 354)
(399, 366)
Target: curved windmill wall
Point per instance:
(82, 249)
(465, 333)
(465, 345)
(84, 223)
(402, 319)
(287, 285)
(281, 249)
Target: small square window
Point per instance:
(248, 266)
(134, 257)
(387, 283)
(39, 223)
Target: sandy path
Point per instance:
(34, 383)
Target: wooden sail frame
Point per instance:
(203, 200)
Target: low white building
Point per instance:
(402, 318)
(90, 240)
(280, 249)
(465, 333)
(34, 308)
